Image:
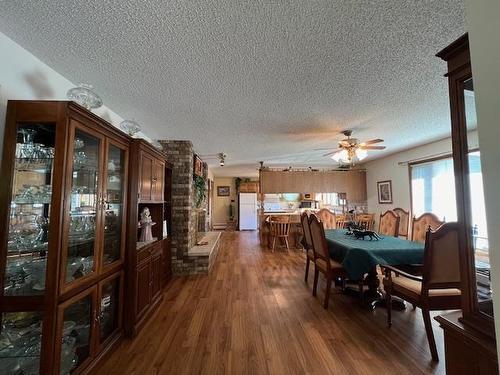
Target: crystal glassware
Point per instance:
(84, 95)
(130, 127)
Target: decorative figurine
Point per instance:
(145, 224)
(42, 225)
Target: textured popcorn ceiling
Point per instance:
(260, 80)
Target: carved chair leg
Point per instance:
(286, 243)
(274, 243)
(327, 292)
(315, 284)
(430, 334)
(307, 268)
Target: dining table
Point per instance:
(360, 257)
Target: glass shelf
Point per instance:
(83, 207)
(30, 207)
(20, 343)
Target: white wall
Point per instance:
(388, 168)
(25, 77)
(484, 36)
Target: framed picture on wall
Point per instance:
(223, 191)
(198, 166)
(384, 189)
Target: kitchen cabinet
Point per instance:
(249, 187)
(151, 178)
(148, 263)
(146, 177)
(352, 182)
(63, 195)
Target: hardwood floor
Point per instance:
(254, 314)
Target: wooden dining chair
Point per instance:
(421, 224)
(340, 221)
(404, 221)
(388, 224)
(327, 217)
(439, 286)
(323, 262)
(307, 242)
(366, 220)
(279, 230)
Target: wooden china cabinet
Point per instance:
(63, 205)
(469, 334)
(148, 262)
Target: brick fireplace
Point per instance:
(189, 223)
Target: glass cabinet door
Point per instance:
(20, 342)
(109, 305)
(114, 200)
(76, 324)
(477, 219)
(81, 245)
(30, 208)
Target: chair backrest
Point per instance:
(421, 224)
(441, 258)
(280, 225)
(318, 239)
(307, 241)
(404, 221)
(366, 220)
(341, 221)
(388, 224)
(327, 217)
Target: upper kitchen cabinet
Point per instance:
(63, 195)
(152, 170)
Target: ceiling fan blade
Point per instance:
(372, 147)
(323, 149)
(378, 140)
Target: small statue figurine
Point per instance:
(42, 225)
(145, 224)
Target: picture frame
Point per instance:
(223, 191)
(198, 166)
(384, 189)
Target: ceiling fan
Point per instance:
(351, 150)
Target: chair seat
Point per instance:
(403, 284)
(334, 266)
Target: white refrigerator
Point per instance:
(248, 211)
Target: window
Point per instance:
(433, 190)
(330, 199)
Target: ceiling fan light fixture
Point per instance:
(361, 154)
(341, 156)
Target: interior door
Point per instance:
(82, 219)
(114, 204)
(145, 189)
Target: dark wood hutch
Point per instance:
(65, 201)
(149, 263)
(469, 334)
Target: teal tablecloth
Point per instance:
(362, 256)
